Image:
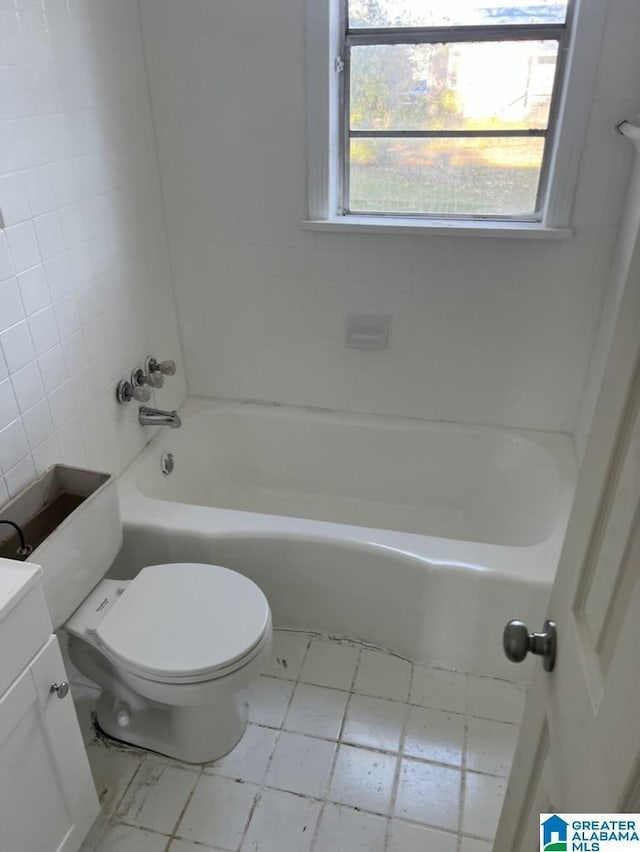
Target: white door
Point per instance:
(579, 747)
(47, 796)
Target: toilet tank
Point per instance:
(72, 519)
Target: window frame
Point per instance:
(326, 27)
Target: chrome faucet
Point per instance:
(157, 417)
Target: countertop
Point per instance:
(16, 578)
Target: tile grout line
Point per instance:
(410, 703)
(338, 743)
(263, 786)
(256, 801)
(399, 759)
(372, 646)
(316, 826)
(315, 799)
(174, 831)
(141, 828)
(463, 768)
(381, 751)
(112, 820)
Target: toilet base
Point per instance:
(191, 731)
(191, 734)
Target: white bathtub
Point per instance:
(423, 538)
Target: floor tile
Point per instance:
(97, 831)
(316, 710)
(496, 699)
(471, 844)
(268, 699)
(439, 689)
(330, 664)
(428, 793)
(406, 837)
(218, 812)
(185, 846)
(435, 735)
(124, 838)
(112, 769)
(374, 722)
(363, 779)
(288, 653)
(490, 746)
(345, 830)
(249, 759)
(301, 764)
(267, 794)
(156, 796)
(281, 822)
(482, 804)
(383, 676)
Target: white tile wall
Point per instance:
(482, 331)
(490, 331)
(85, 284)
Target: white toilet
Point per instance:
(172, 650)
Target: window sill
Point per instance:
(439, 227)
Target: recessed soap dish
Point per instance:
(367, 331)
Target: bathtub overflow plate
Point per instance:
(167, 463)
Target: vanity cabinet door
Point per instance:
(47, 795)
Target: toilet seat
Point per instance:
(185, 623)
(180, 623)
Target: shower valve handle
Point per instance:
(141, 394)
(166, 368)
(140, 378)
(126, 391)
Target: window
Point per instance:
(447, 111)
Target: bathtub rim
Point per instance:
(484, 596)
(535, 563)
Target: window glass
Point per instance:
(447, 13)
(454, 123)
(463, 177)
(454, 86)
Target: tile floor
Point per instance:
(348, 749)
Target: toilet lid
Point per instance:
(184, 620)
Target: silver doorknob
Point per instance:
(60, 689)
(517, 642)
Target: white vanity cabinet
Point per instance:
(48, 800)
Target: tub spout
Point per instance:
(157, 417)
